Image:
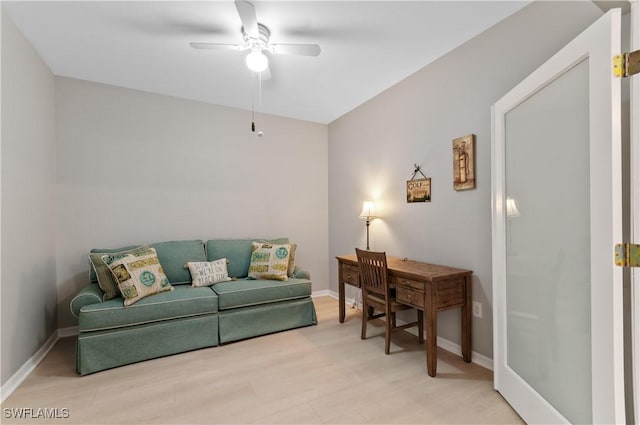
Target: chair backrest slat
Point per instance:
(373, 271)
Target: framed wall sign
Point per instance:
(418, 190)
(464, 166)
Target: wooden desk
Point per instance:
(428, 287)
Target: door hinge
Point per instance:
(626, 64)
(627, 255)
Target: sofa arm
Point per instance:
(90, 294)
(298, 273)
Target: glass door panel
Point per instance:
(548, 287)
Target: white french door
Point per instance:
(557, 214)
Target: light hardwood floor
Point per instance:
(313, 375)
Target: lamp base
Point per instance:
(368, 223)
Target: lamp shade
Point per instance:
(257, 61)
(368, 210)
(512, 209)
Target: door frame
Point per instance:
(635, 205)
(608, 395)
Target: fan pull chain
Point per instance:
(253, 113)
(260, 133)
(253, 102)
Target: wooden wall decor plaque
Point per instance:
(464, 166)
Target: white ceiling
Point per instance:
(367, 46)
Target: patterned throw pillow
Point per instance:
(139, 274)
(105, 279)
(292, 260)
(269, 261)
(207, 273)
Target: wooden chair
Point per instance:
(377, 293)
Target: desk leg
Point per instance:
(340, 295)
(431, 325)
(466, 313)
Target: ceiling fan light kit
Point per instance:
(257, 61)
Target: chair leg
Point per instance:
(365, 319)
(387, 337)
(389, 322)
(420, 326)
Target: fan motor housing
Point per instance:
(263, 38)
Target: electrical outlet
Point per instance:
(477, 309)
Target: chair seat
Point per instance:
(378, 301)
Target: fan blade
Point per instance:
(217, 46)
(248, 17)
(296, 49)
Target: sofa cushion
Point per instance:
(237, 251)
(183, 301)
(138, 273)
(173, 255)
(241, 293)
(269, 261)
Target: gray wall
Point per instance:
(134, 167)
(28, 276)
(373, 148)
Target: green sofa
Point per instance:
(187, 318)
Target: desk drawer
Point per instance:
(407, 293)
(350, 275)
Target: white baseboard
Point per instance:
(349, 302)
(479, 359)
(323, 293)
(445, 344)
(21, 374)
(67, 332)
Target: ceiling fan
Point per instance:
(256, 39)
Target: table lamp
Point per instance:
(367, 214)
